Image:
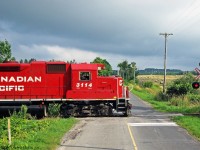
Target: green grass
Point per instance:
(33, 134)
(192, 124)
(146, 94)
(163, 106)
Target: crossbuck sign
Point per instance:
(198, 71)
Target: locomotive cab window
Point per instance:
(85, 76)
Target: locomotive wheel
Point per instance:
(110, 112)
(69, 110)
(106, 111)
(127, 113)
(63, 111)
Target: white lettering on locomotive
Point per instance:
(20, 79)
(11, 88)
(78, 85)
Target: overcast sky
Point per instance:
(115, 30)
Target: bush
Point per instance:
(23, 114)
(160, 96)
(147, 84)
(178, 89)
(181, 86)
(54, 110)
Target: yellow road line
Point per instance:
(132, 138)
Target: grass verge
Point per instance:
(191, 124)
(148, 95)
(42, 134)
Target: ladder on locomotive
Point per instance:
(122, 103)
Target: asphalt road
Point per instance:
(153, 130)
(146, 129)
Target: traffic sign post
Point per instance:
(196, 84)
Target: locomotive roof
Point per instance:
(84, 66)
(81, 66)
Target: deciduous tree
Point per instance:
(5, 51)
(108, 68)
(126, 70)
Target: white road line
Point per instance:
(158, 119)
(164, 115)
(165, 120)
(152, 124)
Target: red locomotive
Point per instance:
(77, 87)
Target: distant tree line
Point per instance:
(154, 71)
(27, 61)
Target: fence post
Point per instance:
(9, 132)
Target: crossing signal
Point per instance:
(195, 85)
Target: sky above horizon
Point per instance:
(115, 30)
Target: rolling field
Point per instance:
(157, 78)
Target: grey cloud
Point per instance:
(95, 21)
(130, 28)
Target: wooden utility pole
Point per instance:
(165, 59)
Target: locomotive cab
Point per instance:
(86, 84)
(93, 94)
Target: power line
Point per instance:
(165, 59)
(186, 18)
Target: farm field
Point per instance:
(158, 78)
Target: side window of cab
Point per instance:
(85, 76)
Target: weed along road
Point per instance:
(146, 129)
